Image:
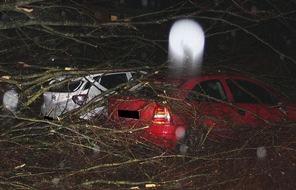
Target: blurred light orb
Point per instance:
(183, 149)
(144, 3)
(180, 132)
(186, 44)
(261, 152)
(55, 181)
(10, 100)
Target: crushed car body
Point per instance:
(67, 95)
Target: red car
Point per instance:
(162, 110)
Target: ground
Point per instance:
(40, 155)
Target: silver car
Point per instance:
(70, 95)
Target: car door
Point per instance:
(93, 87)
(254, 104)
(210, 102)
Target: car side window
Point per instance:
(208, 91)
(113, 80)
(248, 92)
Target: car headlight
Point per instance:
(79, 99)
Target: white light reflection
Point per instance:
(10, 100)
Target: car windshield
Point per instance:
(70, 86)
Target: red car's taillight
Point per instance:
(162, 115)
(79, 99)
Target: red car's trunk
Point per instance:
(131, 109)
(152, 120)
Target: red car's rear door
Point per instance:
(253, 104)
